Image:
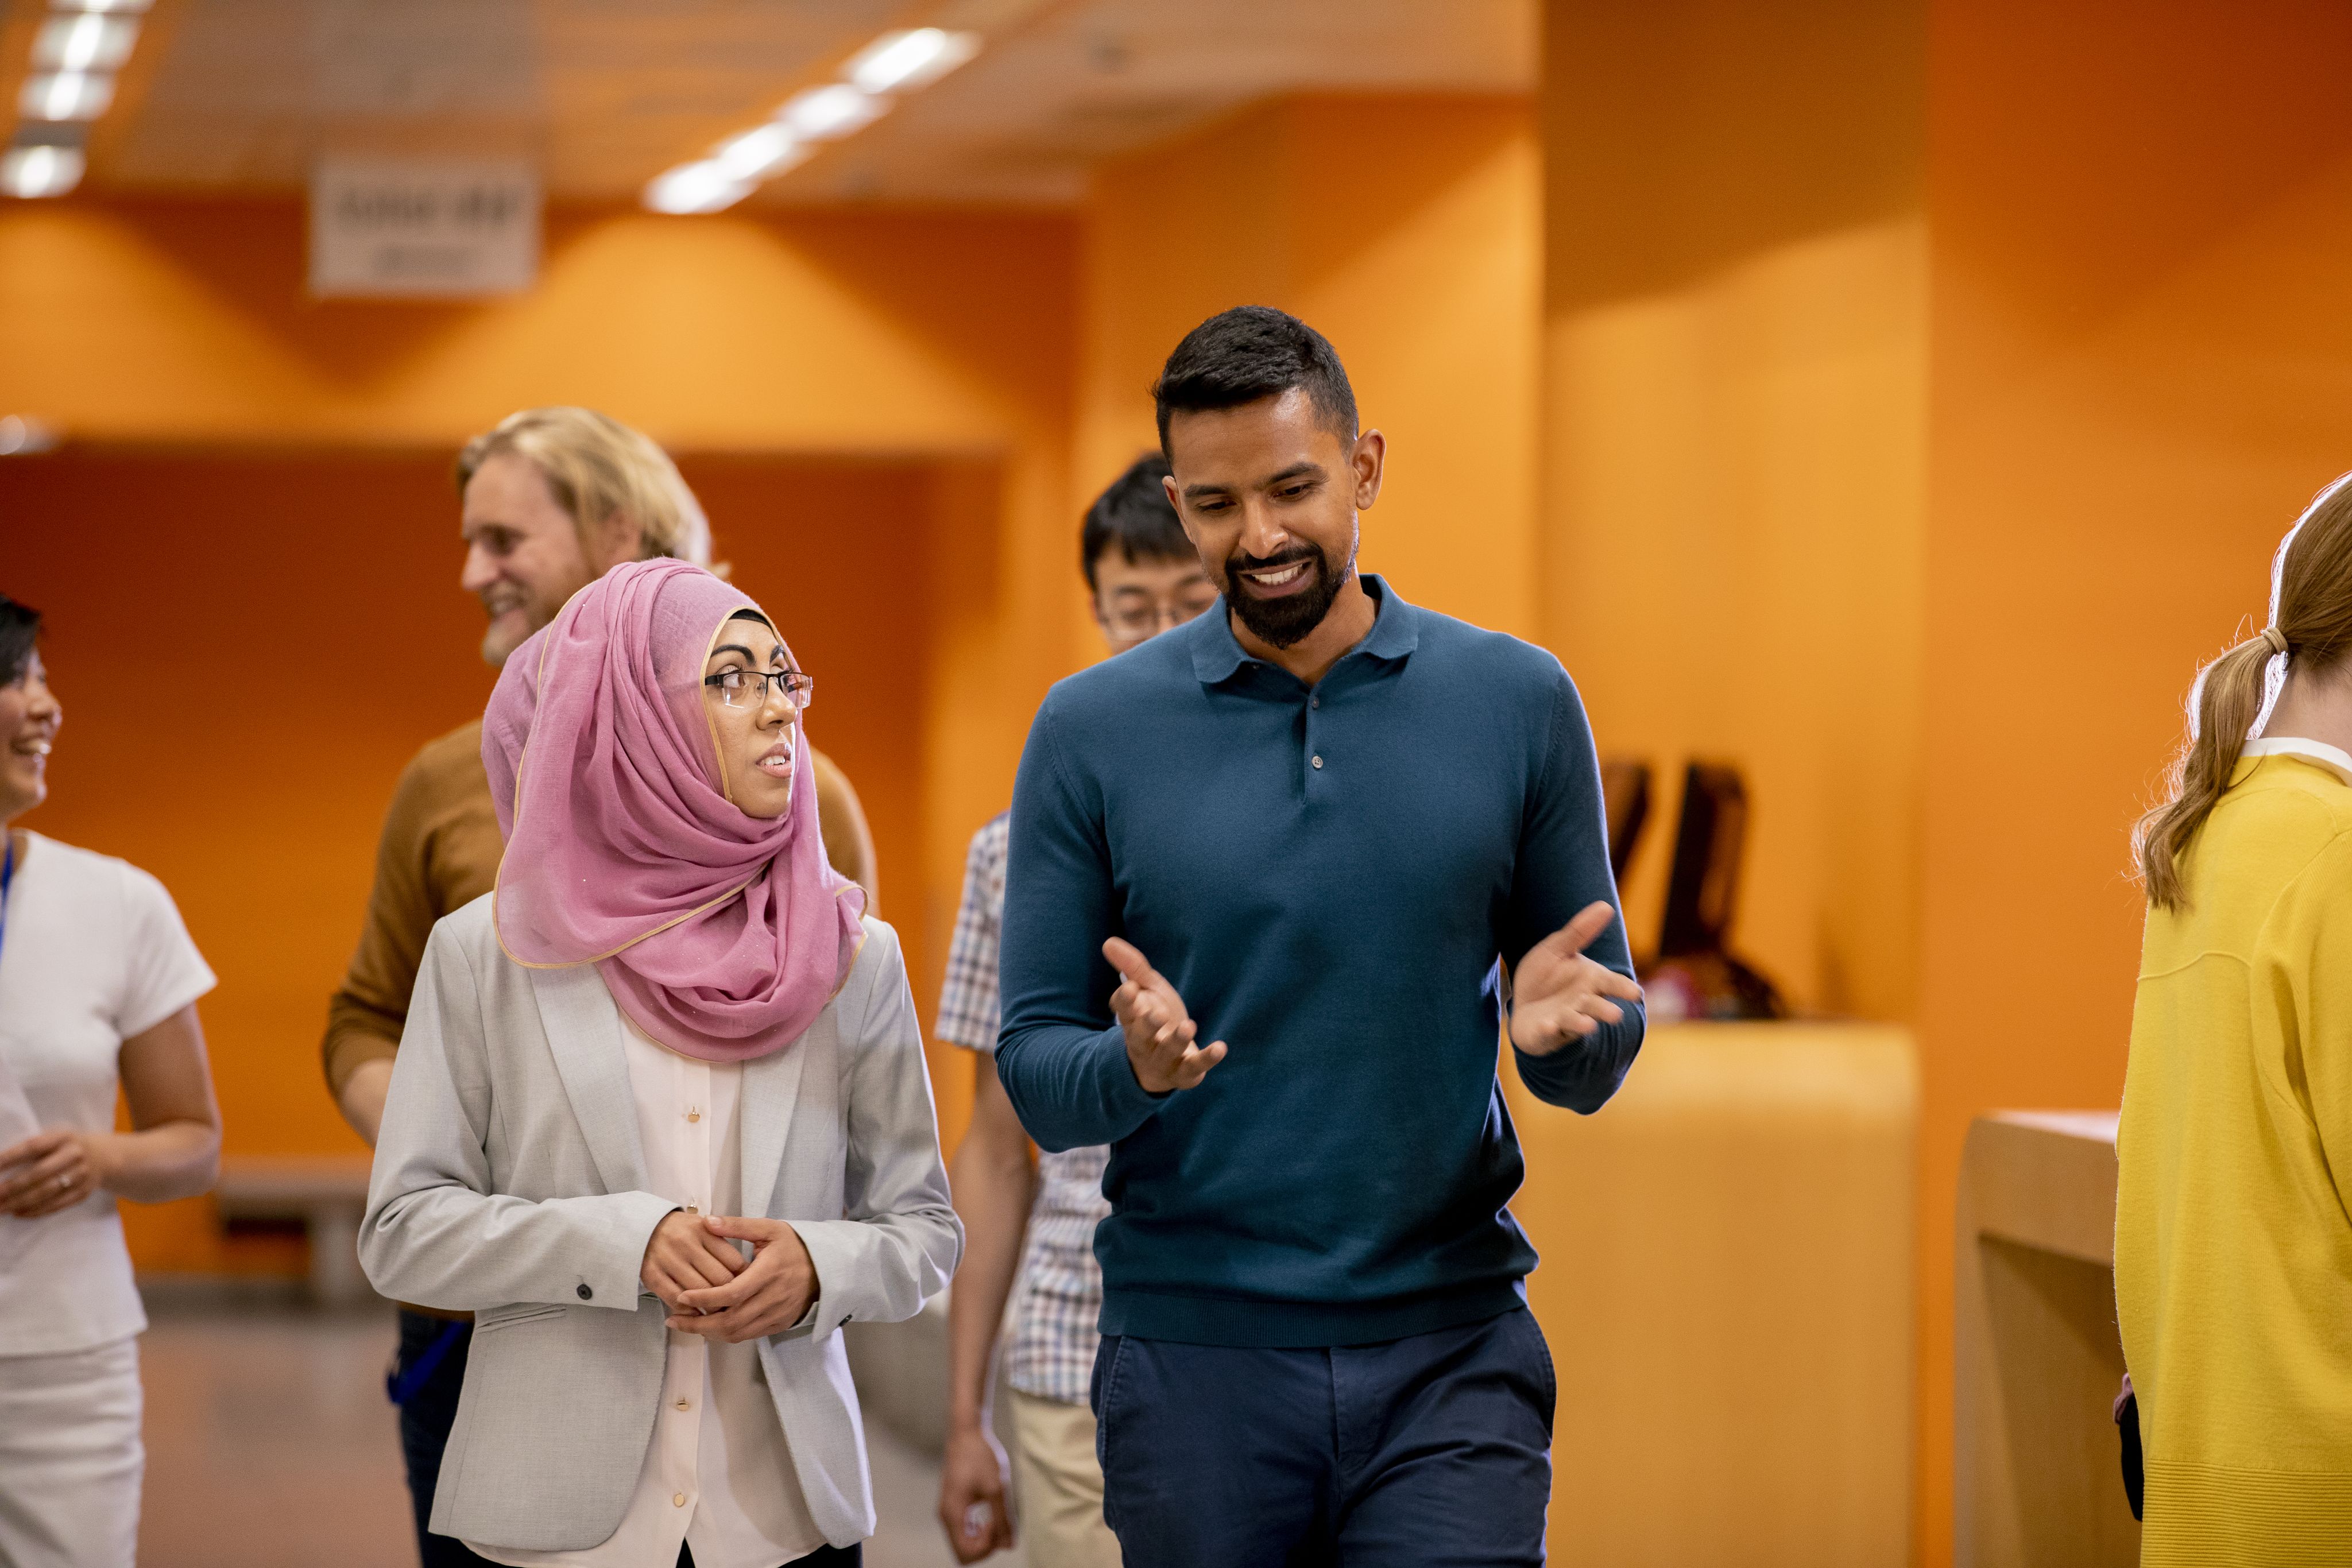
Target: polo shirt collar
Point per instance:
(1217, 653)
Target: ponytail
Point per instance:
(2310, 629)
(2223, 706)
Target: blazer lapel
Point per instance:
(771, 1088)
(583, 1030)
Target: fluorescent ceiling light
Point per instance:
(117, 7)
(758, 153)
(823, 112)
(911, 59)
(40, 170)
(66, 95)
(84, 42)
(703, 187)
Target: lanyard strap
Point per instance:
(402, 1385)
(7, 876)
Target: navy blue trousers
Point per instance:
(424, 1423)
(1427, 1452)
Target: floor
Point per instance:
(270, 1445)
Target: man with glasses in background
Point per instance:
(1144, 577)
(552, 498)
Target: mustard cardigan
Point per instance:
(2233, 1210)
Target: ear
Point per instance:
(1184, 519)
(1372, 451)
(619, 537)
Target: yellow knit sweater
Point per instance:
(2234, 1211)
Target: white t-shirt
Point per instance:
(92, 953)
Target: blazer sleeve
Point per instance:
(434, 1233)
(898, 1240)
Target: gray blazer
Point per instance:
(509, 1182)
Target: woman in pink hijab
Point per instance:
(660, 1118)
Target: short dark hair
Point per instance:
(1134, 517)
(20, 624)
(1249, 352)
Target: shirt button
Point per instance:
(677, 1500)
(1317, 761)
(685, 1405)
(1314, 701)
(694, 1115)
(586, 1294)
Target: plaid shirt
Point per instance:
(1057, 1300)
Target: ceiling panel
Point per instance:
(603, 94)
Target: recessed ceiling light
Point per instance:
(825, 112)
(84, 42)
(21, 435)
(703, 187)
(911, 59)
(40, 170)
(759, 152)
(66, 95)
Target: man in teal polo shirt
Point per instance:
(1277, 878)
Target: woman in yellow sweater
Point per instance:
(2233, 1214)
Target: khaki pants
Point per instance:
(1058, 1486)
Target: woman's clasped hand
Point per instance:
(47, 1173)
(693, 1265)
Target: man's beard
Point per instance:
(1280, 622)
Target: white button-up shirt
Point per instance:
(719, 1474)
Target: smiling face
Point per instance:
(524, 554)
(1268, 492)
(755, 723)
(29, 717)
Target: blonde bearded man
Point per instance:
(552, 498)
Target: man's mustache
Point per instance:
(1241, 560)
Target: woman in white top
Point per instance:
(99, 985)
(668, 1035)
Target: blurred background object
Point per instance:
(1693, 974)
(1625, 798)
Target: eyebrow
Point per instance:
(733, 648)
(1303, 469)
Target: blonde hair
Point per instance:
(2230, 702)
(597, 467)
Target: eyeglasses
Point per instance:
(749, 688)
(1146, 620)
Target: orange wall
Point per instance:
(1406, 231)
(2140, 221)
(1736, 310)
(941, 341)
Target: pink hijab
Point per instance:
(721, 935)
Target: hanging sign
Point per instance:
(422, 230)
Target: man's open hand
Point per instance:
(1159, 1030)
(1558, 994)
